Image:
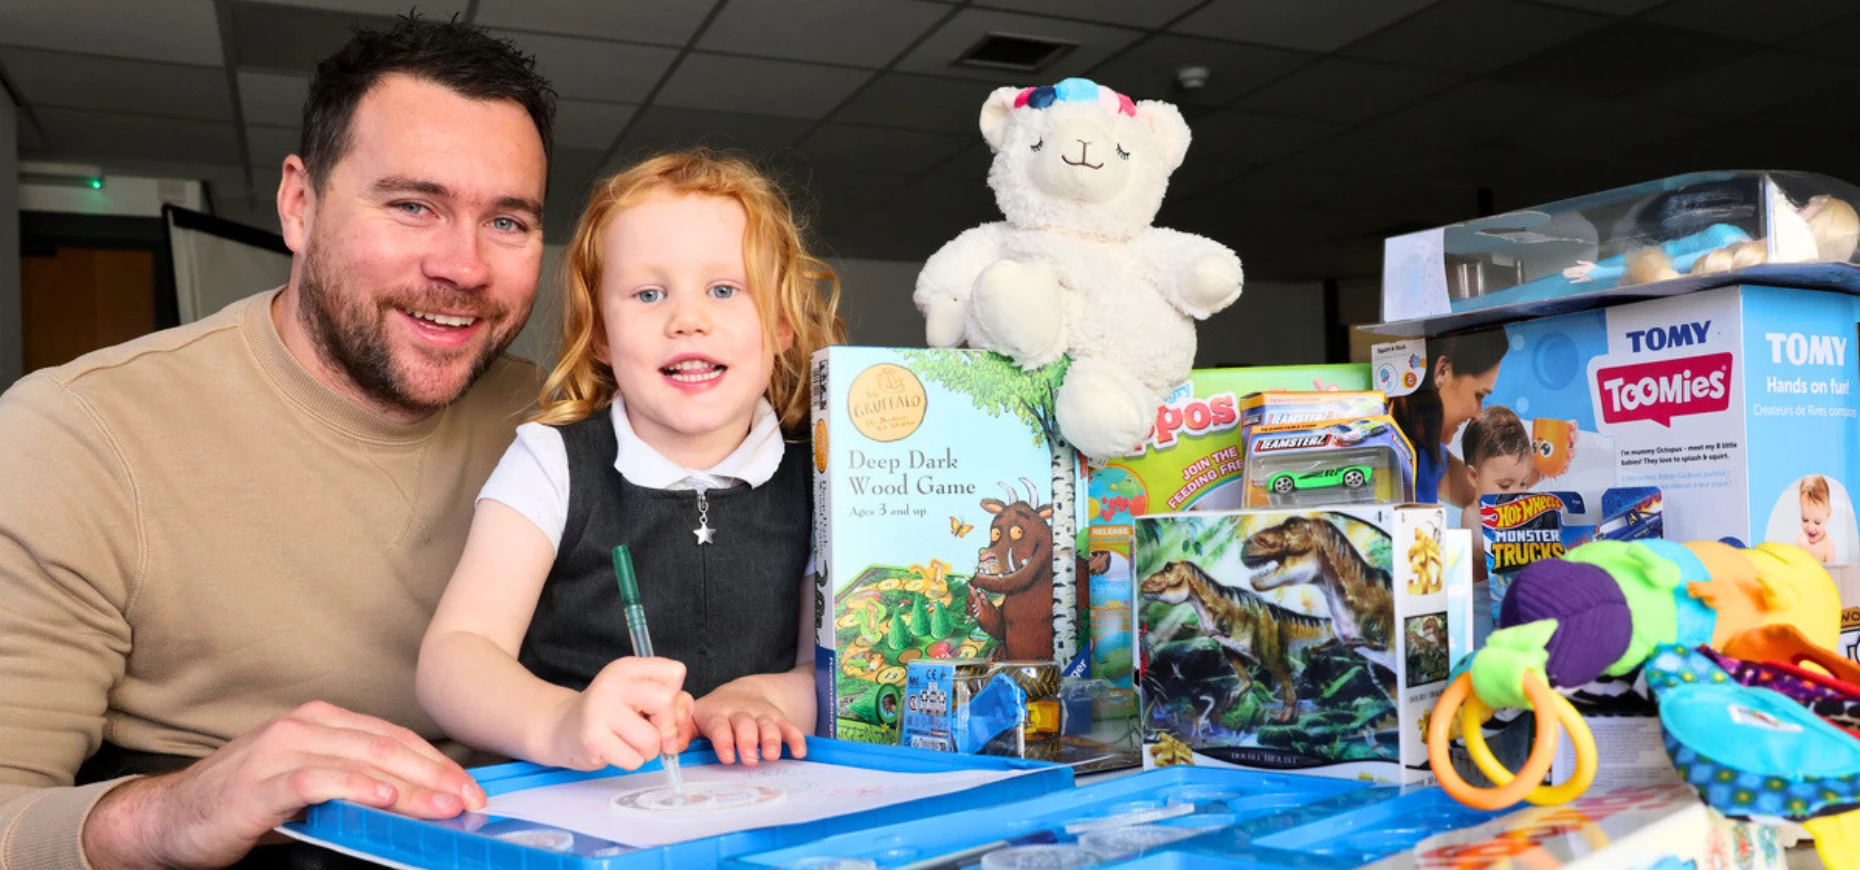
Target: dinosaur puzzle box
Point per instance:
(1313, 641)
(946, 514)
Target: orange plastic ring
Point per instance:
(1580, 738)
(1543, 748)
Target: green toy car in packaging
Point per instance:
(1341, 461)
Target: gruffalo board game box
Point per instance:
(946, 514)
(1313, 641)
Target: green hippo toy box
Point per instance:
(1310, 641)
(947, 511)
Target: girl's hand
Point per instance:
(627, 716)
(742, 720)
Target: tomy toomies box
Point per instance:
(1314, 641)
(1739, 404)
(946, 514)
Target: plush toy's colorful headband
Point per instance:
(1076, 91)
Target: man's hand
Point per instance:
(213, 812)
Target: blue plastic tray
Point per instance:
(1278, 820)
(1332, 835)
(472, 840)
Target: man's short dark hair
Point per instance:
(461, 57)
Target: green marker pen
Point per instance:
(642, 642)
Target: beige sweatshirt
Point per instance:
(197, 536)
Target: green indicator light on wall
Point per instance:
(96, 183)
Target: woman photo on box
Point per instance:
(1461, 370)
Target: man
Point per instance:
(225, 540)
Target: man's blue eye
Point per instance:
(507, 224)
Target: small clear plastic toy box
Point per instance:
(1663, 237)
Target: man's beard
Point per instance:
(352, 334)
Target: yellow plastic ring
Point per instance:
(1543, 748)
(1581, 739)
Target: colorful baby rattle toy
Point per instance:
(1606, 608)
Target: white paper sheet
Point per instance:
(811, 791)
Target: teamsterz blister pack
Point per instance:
(1276, 408)
(1365, 460)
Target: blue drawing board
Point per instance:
(1240, 820)
(477, 840)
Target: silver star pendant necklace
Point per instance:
(704, 532)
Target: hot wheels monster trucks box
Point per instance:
(1309, 641)
(946, 515)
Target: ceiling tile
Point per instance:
(1486, 111)
(274, 99)
(594, 126)
(1251, 137)
(268, 146)
(571, 173)
(1473, 36)
(937, 54)
(75, 81)
(858, 32)
(1275, 186)
(880, 149)
(1746, 85)
(98, 135)
(30, 142)
(1607, 7)
(1622, 58)
(1149, 13)
(666, 22)
(830, 197)
(928, 213)
(1312, 25)
(1768, 21)
(1378, 150)
(588, 69)
(1198, 174)
(293, 38)
(1148, 69)
(767, 87)
(661, 128)
(1341, 89)
(1835, 39)
(177, 31)
(920, 103)
(434, 9)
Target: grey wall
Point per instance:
(1273, 323)
(12, 346)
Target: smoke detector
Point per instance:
(1192, 78)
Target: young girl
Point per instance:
(692, 310)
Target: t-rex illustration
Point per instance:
(1244, 624)
(1315, 551)
(1018, 565)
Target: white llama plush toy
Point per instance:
(1076, 269)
